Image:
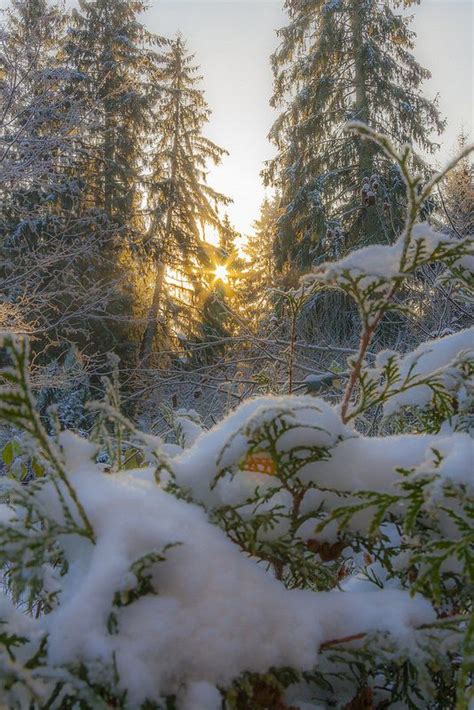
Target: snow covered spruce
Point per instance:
(293, 556)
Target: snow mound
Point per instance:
(209, 612)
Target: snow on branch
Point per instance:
(223, 567)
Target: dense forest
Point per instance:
(288, 413)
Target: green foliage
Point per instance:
(17, 407)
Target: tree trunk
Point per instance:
(108, 162)
(150, 330)
(360, 85)
(369, 226)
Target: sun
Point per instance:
(221, 273)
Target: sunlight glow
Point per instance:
(221, 273)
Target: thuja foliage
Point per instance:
(293, 556)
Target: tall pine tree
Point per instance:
(120, 61)
(259, 247)
(182, 204)
(116, 53)
(459, 194)
(228, 237)
(343, 60)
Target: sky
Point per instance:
(233, 40)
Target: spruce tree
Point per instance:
(259, 247)
(343, 60)
(230, 258)
(212, 322)
(120, 61)
(116, 53)
(459, 195)
(182, 204)
(230, 266)
(228, 237)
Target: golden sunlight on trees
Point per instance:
(221, 273)
(235, 468)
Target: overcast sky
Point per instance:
(233, 40)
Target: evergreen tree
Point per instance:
(116, 53)
(213, 320)
(230, 264)
(228, 237)
(120, 60)
(459, 195)
(259, 247)
(343, 60)
(182, 204)
(224, 293)
(33, 27)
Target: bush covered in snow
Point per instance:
(286, 558)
